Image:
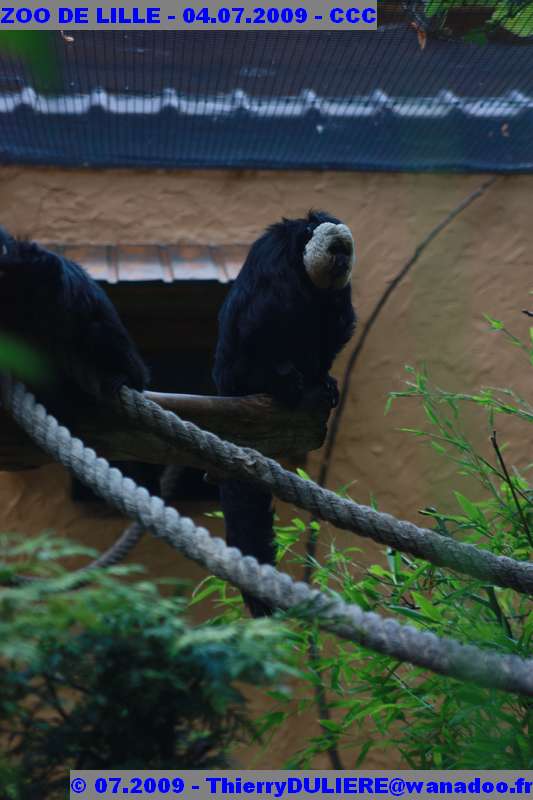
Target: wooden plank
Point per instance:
(230, 258)
(146, 263)
(139, 263)
(94, 258)
(192, 263)
(255, 421)
(113, 263)
(219, 264)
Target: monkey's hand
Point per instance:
(104, 360)
(332, 389)
(287, 384)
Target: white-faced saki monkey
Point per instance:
(285, 319)
(53, 305)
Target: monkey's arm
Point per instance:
(341, 324)
(338, 328)
(264, 336)
(102, 358)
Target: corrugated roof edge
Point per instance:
(147, 262)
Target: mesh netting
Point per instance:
(347, 100)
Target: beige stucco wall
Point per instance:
(481, 263)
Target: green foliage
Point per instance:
(514, 16)
(434, 722)
(434, 7)
(16, 357)
(36, 49)
(111, 675)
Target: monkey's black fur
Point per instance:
(279, 335)
(52, 304)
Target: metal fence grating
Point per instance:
(345, 100)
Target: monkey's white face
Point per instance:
(329, 256)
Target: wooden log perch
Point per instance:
(255, 421)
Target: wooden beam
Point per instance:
(255, 421)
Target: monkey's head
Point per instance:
(322, 246)
(329, 252)
(30, 283)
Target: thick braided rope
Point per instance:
(118, 551)
(445, 656)
(248, 464)
(112, 556)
